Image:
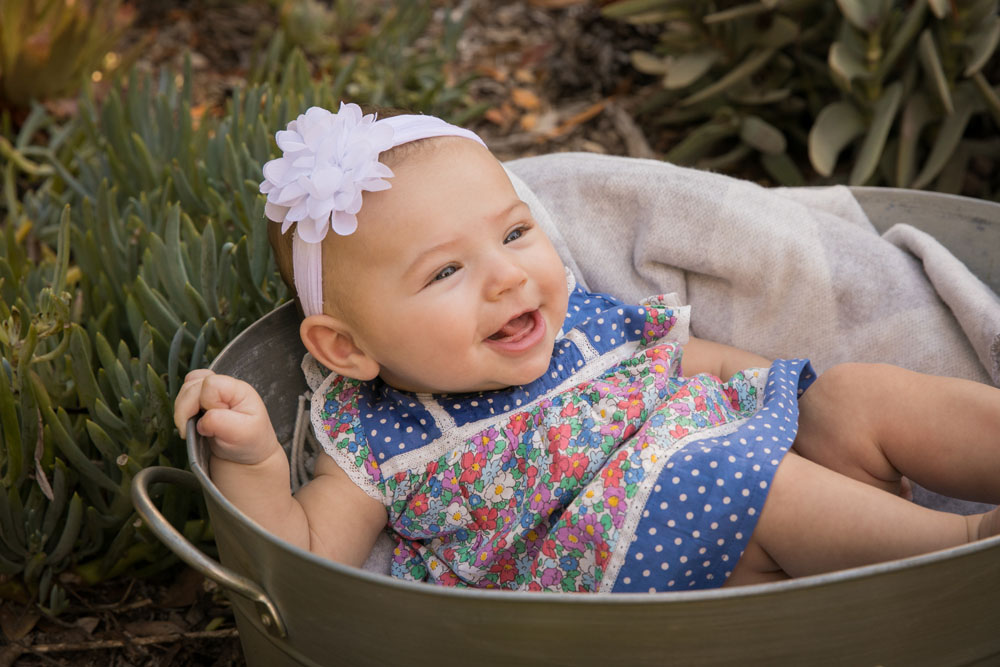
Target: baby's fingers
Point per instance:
(188, 400)
(222, 391)
(236, 437)
(197, 374)
(235, 417)
(226, 426)
(204, 390)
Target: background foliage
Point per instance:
(47, 47)
(890, 92)
(133, 249)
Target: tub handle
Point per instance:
(267, 612)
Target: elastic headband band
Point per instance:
(328, 159)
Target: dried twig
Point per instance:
(577, 119)
(635, 141)
(116, 606)
(513, 143)
(102, 644)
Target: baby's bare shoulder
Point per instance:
(343, 520)
(329, 478)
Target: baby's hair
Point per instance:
(281, 244)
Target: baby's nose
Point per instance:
(505, 275)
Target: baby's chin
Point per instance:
(489, 377)
(517, 379)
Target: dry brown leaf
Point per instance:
(578, 119)
(503, 115)
(151, 628)
(494, 115)
(534, 56)
(184, 591)
(197, 113)
(529, 121)
(524, 75)
(555, 4)
(498, 74)
(62, 107)
(525, 99)
(87, 623)
(16, 623)
(8, 654)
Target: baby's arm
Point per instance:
(704, 356)
(330, 516)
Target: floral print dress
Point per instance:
(611, 472)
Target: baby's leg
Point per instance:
(876, 423)
(816, 520)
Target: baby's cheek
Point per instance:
(450, 326)
(556, 283)
(440, 342)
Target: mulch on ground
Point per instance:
(179, 619)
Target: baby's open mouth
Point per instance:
(520, 332)
(516, 328)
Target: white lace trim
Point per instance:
(570, 287)
(583, 344)
(342, 459)
(314, 371)
(670, 299)
(625, 533)
(441, 417)
(680, 333)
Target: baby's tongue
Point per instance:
(516, 325)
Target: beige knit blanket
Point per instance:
(786, 272)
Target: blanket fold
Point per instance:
(784, 272)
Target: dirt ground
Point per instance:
(556, 77)
(555, 74)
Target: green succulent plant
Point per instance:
(169, 263)
(390, 62)
(49, 47)
(133, 249)
(779, 78)
(928, 100)
(730, 77)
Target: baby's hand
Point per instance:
(235, 417)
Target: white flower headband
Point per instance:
(327, 160)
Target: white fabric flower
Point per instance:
(500, 489)
(457, 514)
(327, 160)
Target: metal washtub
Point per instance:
(294, 608)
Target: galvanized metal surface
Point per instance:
(936, 609)
(266, 612)
(970, 228)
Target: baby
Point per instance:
(513, 430)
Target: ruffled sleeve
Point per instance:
(336, 421)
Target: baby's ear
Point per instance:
(331, 343)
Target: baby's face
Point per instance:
(453, 286)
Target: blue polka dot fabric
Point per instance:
(707, 499)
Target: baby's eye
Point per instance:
(515, 234)
(444, 273)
